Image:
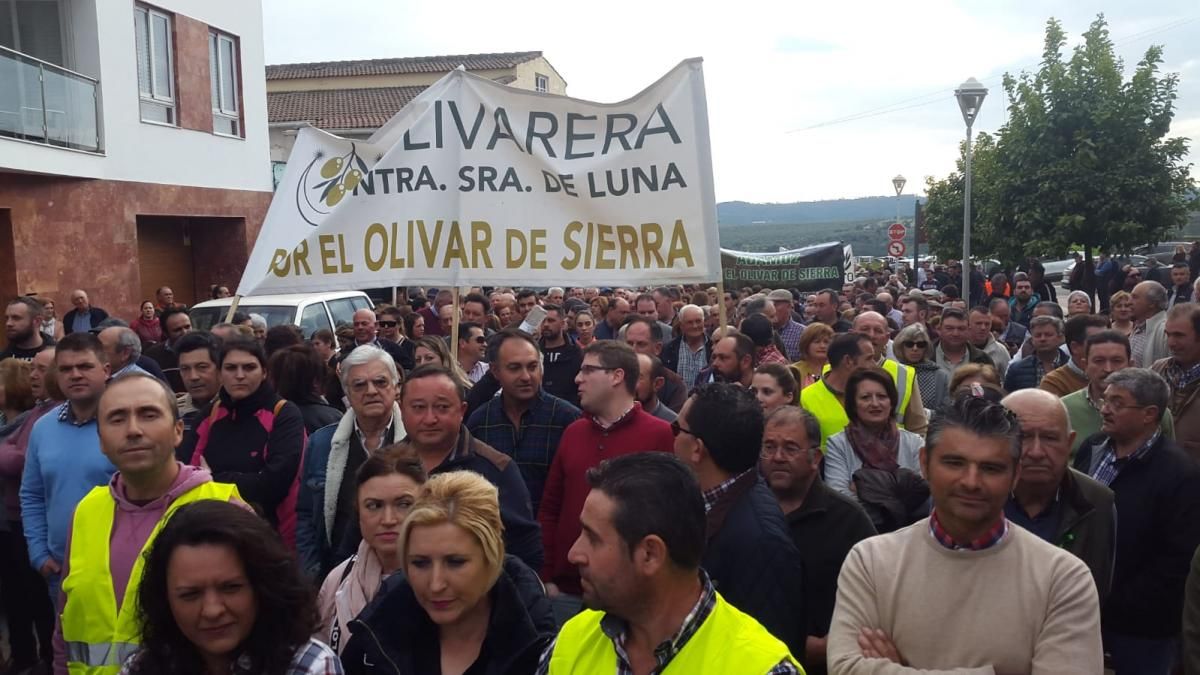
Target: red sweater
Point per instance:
(584, 445)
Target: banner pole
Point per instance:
(232, 308)
(721, 301)
(454, 325)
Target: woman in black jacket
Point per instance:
(462, 606)
(251, 437)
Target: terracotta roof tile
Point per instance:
(339, 108)
(417, 64)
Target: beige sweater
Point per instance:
(1021, 606)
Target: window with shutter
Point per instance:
(222, 56)
(155, 64)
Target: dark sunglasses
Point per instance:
(918, 345)
(387, 324)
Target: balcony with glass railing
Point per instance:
(44, 103)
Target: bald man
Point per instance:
(874, 326)
(1057, 503)
(366, 332)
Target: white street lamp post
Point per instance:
(970, 95)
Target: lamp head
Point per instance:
(970, 95)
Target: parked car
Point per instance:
(310, 311)
(1056, 270)
(1163, 252)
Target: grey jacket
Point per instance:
(841, 462)
(1156, 340)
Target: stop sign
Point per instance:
(896, 231)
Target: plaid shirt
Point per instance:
(790, 336)
(714, 494)
(1179, 377)
(770, 354)
(690, 364)
(616, 629)
(533, 444)
(315, 658)
(1110, 466)
(989, 539)
(1137, 343)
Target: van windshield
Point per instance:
(204, 318)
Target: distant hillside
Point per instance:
(867, 238)
(865, 209)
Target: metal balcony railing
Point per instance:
(45, 103)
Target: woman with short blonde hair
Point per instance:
(459, 592)
(464, 499)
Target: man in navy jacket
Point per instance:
(749, 552)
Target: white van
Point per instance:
(310, 311)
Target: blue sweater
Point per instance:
(62, 463)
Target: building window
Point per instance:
(155, 65)
(222, 64)
(541, 83)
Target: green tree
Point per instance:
(1084, 159)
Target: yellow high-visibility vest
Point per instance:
(99, 637)
(727, 642)
(830, 411)
(820, 401)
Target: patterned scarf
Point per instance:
(877, 451)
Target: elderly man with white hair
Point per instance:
(123, 348)
(689, 353)
(1148, 341)
(325, 510)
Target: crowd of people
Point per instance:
(882, 478)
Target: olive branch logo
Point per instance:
(340, 174)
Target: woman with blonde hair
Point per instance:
(433, 349)
(463, 605)
(914, 348)
(814, 354)
(1121, 310)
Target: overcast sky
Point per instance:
(773, 70)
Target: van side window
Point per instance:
(314, 319)
(343, 310)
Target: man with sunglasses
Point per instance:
(472, 346)
(1157, 488)
(366, 332)
(824, 524)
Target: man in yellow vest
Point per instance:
(651, 607)
(823, 399)
(139, 427)
(912, 417)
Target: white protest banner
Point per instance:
(477, 183)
